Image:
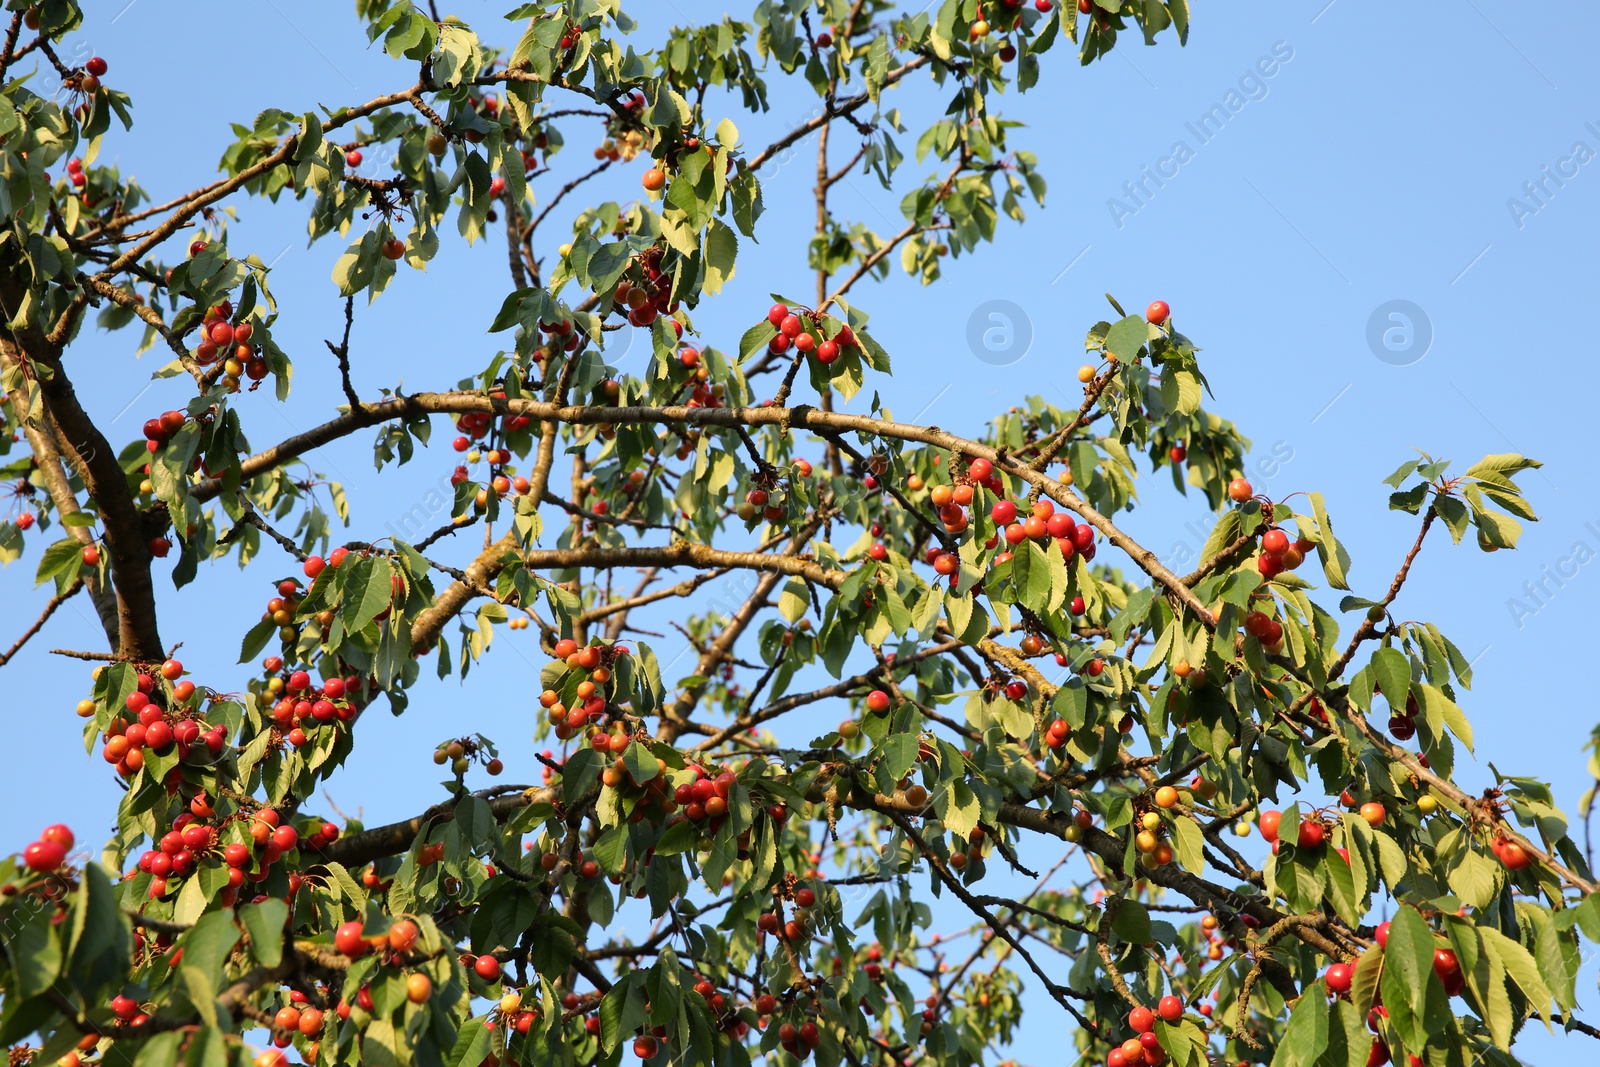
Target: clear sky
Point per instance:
(1387, 157)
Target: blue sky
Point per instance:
(1378, 162)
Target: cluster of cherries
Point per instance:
(1043, 522)
(305, 706)
(50, 851)
(650, 297)
(795, 331)
(1145, 1050)
(474, 427)
(1278, 553)
(156, 728)
(223, 339)
(595, 661)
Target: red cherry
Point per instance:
(1339, 976)
(1004, 513)
(1268, 824)
(44, 855)
(486, 967)
(96, 66)
(1171, 1008)
(1157, 312)
(1142, 1019)
(878, 701)
(350, 940)
(1311, 834)
(776, 313)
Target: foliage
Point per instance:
(786, 869)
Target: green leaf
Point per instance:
(1435, 703)
(1127, 336)
(722, 249)
(1335, 560)
(263, 923)
(1132, 922)
(1306, 1035)
(205, 949)
(1520, 965)
(367, 592)
(641, 763)
(1392, 671)
(957, 807)
(1408, 961)
(473, 1044)
(1189, 843)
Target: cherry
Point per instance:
(393, 248)
(350, 940)
(44, 855)
(805, 898)
(1085, 6)
(1142, 1019)
(96, 66)
(486, 967)
(1240, 490)
(1374, 813)
(1339, 977)
(980, 469)
(1016, 689)
(777, 313)
(1177, 453)
(1004, 513)
(1268, 824)
(419, 987)
(313, 566)
(766, 1004)
(1170, 1008)
(91, 556)
(1077, 606)
(878, 701)
(1275, 542)
(654, 179)
(645, 1046)
(25, 520)
(790, 326)
(1157, 312)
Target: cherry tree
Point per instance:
(946, 657)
